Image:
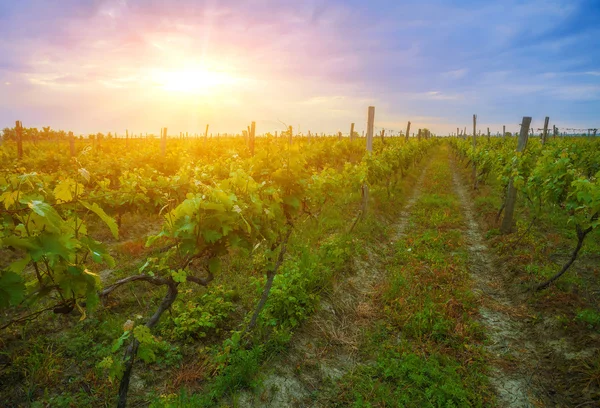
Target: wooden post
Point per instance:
(488, 133)
(252, 135)
(19, 134)
(72, 144)
(351, 131)
(163, 142)
(340, 136)
(457, 132)
(370, 124)
(511, 194)
(503, 130)
(206, 134)
(545, 134)
(382, 135)
(419, 135)
(290, 131)
(474, 171)
(407, 130)
(554, 131)
(365, 187)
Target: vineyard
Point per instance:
(299, 270)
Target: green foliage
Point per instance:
(198, 318)
(12, 289)
(410, 380)
(590, 317)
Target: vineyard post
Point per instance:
(419, 135)
(545, 134)
(407, 130)
(309, 136)
(19, 132)
(340, 136)
(488, 133)
(72, 144)
(252, 135)
(554, 131)
(351, 131)
(511, 194)
(163, 142)
(126, 137)
(457, 133)
(206, 134)
(503, 130)
(474, 171)
(370, 125)
(382, 135)
(290, 131)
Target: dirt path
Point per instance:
(326, 347)
(509, 339)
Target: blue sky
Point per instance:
(99, 66)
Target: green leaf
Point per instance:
(98, 251)
(63, 191)
(211, 236)
(146, 353)
(109, 221)
(12, 289)
(143, 335)
(179, 276)
(48, 213)
(18, 266)
(119, 342)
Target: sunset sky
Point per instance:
(100, 66)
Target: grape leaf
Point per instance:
(109, 221)
(12, 289)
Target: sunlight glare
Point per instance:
(198, 81)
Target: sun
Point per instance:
(196, 81)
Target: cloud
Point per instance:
(319, 63)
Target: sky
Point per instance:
(108, 65)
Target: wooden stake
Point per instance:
(340, 136)
(545, 134)
(252, 135)
(407, 130)
(351, 131)
(365, 187)
(163, 142)
(290, 130)
(19, 132)
(474, 171)
(370, 124)
(382, 135)
(72, 144)
(503, 130)
(511, 194)
(206, 134)
(488, 133)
